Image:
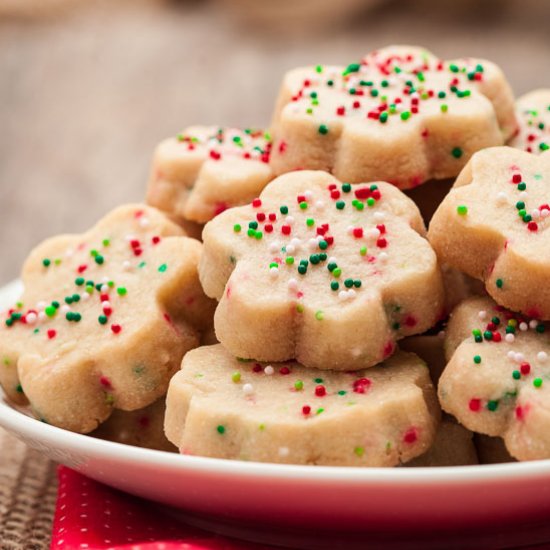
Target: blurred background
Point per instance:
(87, 88)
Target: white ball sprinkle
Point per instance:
(283, 451)
(482, 315)
(144, 222)
(501, 197)
(312, 243)
(342, 295)
(290, 248)
(248, 389)
(65, 308)
(41, 304)
(542, 357)
(308, 195)
(104, 288)
(105, 304)
(269, 370)
(523, 326)
(519, 357)
(84, 296)
(350, 229)
(511, 355)
(292, 284)
(42, 316)
(441, 334)
(31, 318)
(69, 252)
(533, 323)
(510, 338)
(379, 216)
(126, 265)
(273, 272)
(545, 213)
(274, 247)
(535, 214)
(373, 233)
(319, 205)
(289, 220)
(383, 257)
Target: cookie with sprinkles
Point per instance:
(328, 273)
(139, 428)
(494, 226)
(223, 407)
(207, 169)
(497, 380)
(400, 114)
(104, 320)
(533, 114)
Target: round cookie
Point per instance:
(141, 428)
(104, 320)
(219, 406)
(400, 115)
(207, 169)
(533, 114)
(493, 226)
(497, 380)
(326, 273)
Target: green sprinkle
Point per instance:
(50, 311)
(477, 359)
(337, 272)
(334, 285)
(303, 205)
(499, 283)
(340, 205)
(352, 68)
(342, 392)
(405, 115)
(46, 262)
(121, 291)
(537, 382)
(383, 116)
(19, 388)
(319, 410)
(289, 260)
(516, 375)
(323, 245)
(363, 251)
(319, 315)
(456, 152)
(236, 377)
(444, 107)
(346, 187)
(359, 451)
(237, 228)
(102, 319)
(371, 202)
(258, 235)
(348, 283)
(284, 209)
(492, 405)
(310, 222)
(462, 210)
(298, 385)
(162, 268)
(522, 186)
(323, 129)
(220, 429)
(79, 281)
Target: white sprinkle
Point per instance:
(269, 370)
(542, 357)
(350, 229)
(283, 451)
(292, 284)
(296, 242)
(511, 355)
(41, 304)
(42, 316)
(248, 389)
(105, 304)
(501, 197)
(510, 338)
(383, 257)
(69, 252)
(533, 323)
(312, 243)
(290, 248)
(273, 272)
(320, 205)
(482, 315)
(373, 233)
(126, 265)
(31, 318)
(289, 220)
(535, 214)
(84, 296)
(332, 260)
(274, 247)
(144, 222)
(523, 326)
(104, 288)
(65, 308)
(351, 293)
(343, 295)
(379, 216)
(545, 213)
(441, 334)
(130, 237)
(308, 195)
(523, 194)
(519, 357)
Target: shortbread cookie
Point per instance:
(453, 446)
(497, 380)
(219, 406)
(493, 226)
(105, 319)
(326, 273)
(207, 169)
(533, 114)
(400, 114)
(141, 428)
(491, 450)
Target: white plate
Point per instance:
(312, 506)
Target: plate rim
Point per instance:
(22, 425)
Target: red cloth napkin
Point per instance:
(92, 516)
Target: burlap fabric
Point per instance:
(28, 488)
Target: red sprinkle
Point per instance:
(284, 370)
(306, 409)
(116, 329)
(51, 334)
(410, 436)
(320, 391)
(475, 405)
(358, 232)
(256, 203)
(525, 368)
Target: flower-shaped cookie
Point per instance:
(533, 113)
(207, 169)
(105, 319)
(223, 407)
(494, 225)
(497, 380)
(400, 115)
(327, 273)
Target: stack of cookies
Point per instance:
(318, 322)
